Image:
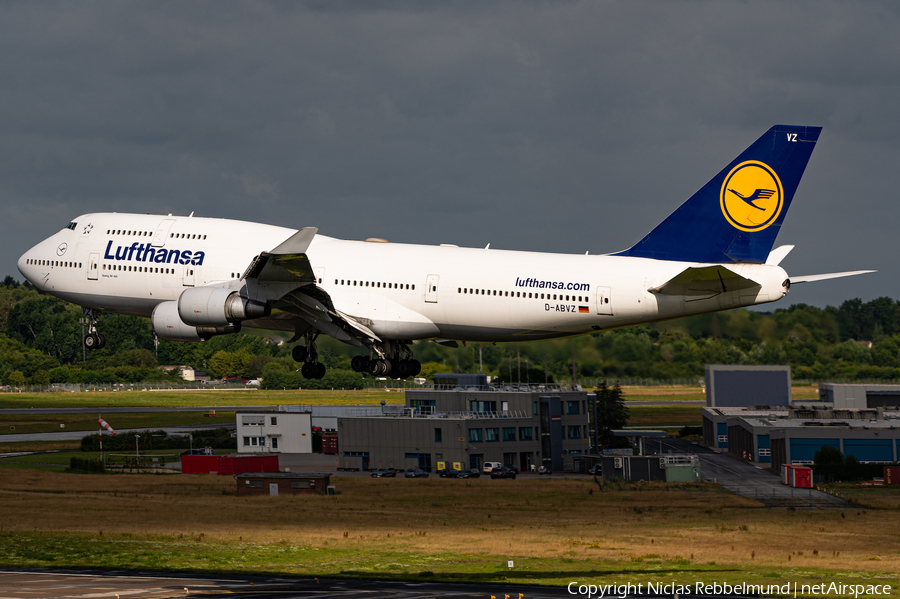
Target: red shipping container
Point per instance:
(228, 465)
(199, 464)
(801, 477)
(330, 444)
(892, 475)
(262, 463)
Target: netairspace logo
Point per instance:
(622, 591)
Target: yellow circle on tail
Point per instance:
(751, 197)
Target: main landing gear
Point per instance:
(93, 340)
(309, 356)
(394, 360)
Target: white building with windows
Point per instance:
(274, 432)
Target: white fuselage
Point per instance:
(129, 263)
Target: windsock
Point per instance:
(104, 424)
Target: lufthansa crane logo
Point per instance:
(751, 197)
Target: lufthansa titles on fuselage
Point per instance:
(538, 284)
(143, 252)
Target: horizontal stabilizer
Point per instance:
(825, 277)
(778, 254)
(703, 281)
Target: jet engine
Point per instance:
(217, 307)
(167, 324)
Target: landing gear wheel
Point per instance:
(101, 341)
(359, 364)
(299, 353)
(320, 370)
(416, 367)
(92, 341)
(309, 370)
(404, 369)
(379, 367)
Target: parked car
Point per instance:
(473, 473)
(488, 466)
(384, 473)
(415, 473)
(503, 472)
(448, 473)
(595, 470)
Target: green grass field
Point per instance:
(215, 397)
(664, 416)
(194, 398)
(555, 531)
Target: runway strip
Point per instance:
(72, 584)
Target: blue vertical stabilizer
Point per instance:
(737, 215)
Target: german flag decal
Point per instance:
(583, 310)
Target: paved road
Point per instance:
(65, 584)
(752, 481)
(78, 435)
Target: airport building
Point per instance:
(464, 427)
(274, 432)
(730, 386)
(859, 420)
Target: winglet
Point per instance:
(297, 243)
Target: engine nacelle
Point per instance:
(217, 307)
(167, 324)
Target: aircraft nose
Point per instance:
(26, 263)
(22, 265)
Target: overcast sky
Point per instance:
(547, 126)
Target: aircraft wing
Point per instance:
(825, 277)
(704, 280)
(287, 263)
(309, 304)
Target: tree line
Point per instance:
(40, 343)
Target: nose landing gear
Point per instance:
(93, 339)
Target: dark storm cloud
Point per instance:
(546, 126)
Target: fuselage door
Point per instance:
(604, 302)
(93, 266)
(188, 280)
(162, 232)
(431, 288)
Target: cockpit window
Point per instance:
(71, 225)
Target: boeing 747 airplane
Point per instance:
(199, 277)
